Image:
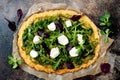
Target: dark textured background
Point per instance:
(93, 8)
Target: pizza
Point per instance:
(58, 41)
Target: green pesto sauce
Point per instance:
(85, 50)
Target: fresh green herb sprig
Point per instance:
(106, 32)
(14, 62)
(104, 20)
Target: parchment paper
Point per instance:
(91, 70)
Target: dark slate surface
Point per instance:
(93, 8)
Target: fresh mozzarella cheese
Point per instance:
(80, 38)
(73, 52)
(63, 40)
(68, 23)
(54, 52)
(33, 53)
(36, 39)
(52, 26)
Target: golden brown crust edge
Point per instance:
(39, 67)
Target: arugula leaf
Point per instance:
(51, 40)
(76, 60)
(74, 37)
(89, 31)
(105, 20)
(14, 62)
(44, 57)
(78, 51)
(66, 29)
(57, 64)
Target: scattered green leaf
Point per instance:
(102, 24)
(104, 20)
(15, 65)
(106, 32)
(102, 32)
(106, 40)
(19, 62)
(14, 62)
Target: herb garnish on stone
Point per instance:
(14, 62)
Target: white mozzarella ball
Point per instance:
(54, 52)
(36, 39)
(63, 40)
(80, 38)
(52, 26)
(33, 53)
(68, 23)
(73, 52)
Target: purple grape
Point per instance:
(105, 67)
(59, 25)
(69, 47)
(11, 24)
(19, 14)
(70, 65)
(75, 17)
(41, 31)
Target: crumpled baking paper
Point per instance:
(91, 70)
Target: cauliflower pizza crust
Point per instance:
(48, 69)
